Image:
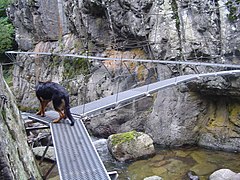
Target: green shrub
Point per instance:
(233, 10)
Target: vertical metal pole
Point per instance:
(45, 151)
(84, 99)
(49, 171)
(37, 68)
(117, 92)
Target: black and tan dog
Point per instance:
(50, 91)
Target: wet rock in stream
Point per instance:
(224, 174)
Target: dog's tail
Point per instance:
(69, 115)
(67, 111)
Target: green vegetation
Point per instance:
(8, 75)
(28, 109)
(75, 67)
(124, 137)
(3, 5)
(175, 14)
(6, 34)
(6, 28)
(3, 114)
(233, 10)
(55, 61)
(178, 24)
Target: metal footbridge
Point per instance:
(139, 92)
(76, 156)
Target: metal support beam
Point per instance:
(46, 149)
(159, 61)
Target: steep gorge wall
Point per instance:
(16, 158)
(155, 29)
(171, 28)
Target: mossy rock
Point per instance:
(130, 145)
(28, 109)
(124, 137)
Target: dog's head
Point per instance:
(40, 84)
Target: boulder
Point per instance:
(224, 174)
(130, 145)
(50, 155)
(174, 119)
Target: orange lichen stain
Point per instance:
(120, 56)
(132, 66)
(141, 73)
(234, 114)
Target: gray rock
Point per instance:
(130, 145)
(50, 155)
(127, 118)
(174, 118)
(216, 86)
(16, 158)
(224, 174)
(208, 140)
(37, 21)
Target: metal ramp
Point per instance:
(76, 156)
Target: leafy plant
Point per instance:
(3, 6)
(6, 28)
(75, 67)
(124, 137)
(8, 75)
(6, 34)
(233, 10)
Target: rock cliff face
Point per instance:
(16, 158)
(150, 29)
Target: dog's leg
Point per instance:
(65, 116)
(43, 106)
(62, 116)
(59, 104)
(40, 109)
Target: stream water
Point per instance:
(170, 164)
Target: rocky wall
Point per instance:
(16, 158)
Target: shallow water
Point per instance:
(170, 164)
(173, 164)
(176, 163)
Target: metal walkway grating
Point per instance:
(44, 120)
(76, 156)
